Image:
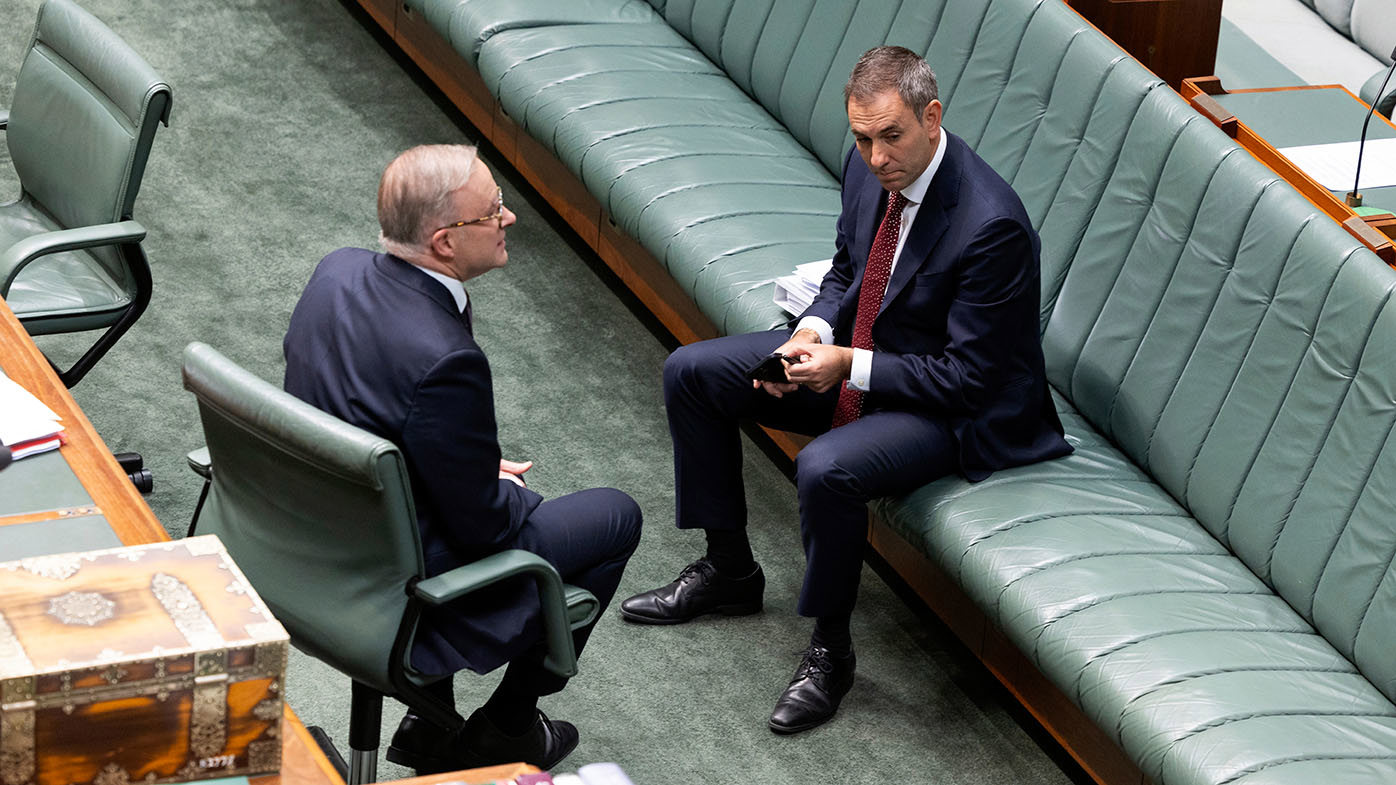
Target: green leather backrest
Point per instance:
(316, 512)
(84, 113)
(1242, 348)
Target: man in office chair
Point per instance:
(385, 342)
(919, 358)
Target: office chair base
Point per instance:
(134, 465)
(363, 766)
(326, 745)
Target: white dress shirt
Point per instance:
(861, 373)
(455, 287)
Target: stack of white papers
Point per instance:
(1333, 166)
(27, 426)
(796, 291)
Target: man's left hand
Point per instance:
(821, 367)
(513, 471)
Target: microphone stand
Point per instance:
(1354, 197)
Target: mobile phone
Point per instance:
(771, 368)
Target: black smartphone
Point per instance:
(771, 368)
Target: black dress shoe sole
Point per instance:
(790, 730)
(420, 762)
(741, 609)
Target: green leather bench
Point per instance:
(1208, 579)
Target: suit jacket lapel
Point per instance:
(932, 219)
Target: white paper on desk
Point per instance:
(796, 291)
(1334, 165)
(22, 416)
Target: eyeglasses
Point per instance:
(497, 215)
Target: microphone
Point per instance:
(1354, 197)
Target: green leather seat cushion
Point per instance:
(468, 24)
(712, 185)
(73, 288)
(1167, 641)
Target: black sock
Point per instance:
(730, 552)
(832, 632)
(513, 707)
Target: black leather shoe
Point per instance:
(430, 749)
(699, 589)
(814, 694)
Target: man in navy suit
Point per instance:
(919, 357)
(385, 341)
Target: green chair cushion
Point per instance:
(60, 292)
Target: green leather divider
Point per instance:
(468, 24)
(40, 483)
(61, 535)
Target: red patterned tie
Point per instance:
(875, 275)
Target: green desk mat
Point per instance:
(40, 483)
(60, 535)
(1290, 118)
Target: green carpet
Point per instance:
(284, 115)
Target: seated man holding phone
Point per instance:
(919, 357)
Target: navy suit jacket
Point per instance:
(957, 335)
(381, 345)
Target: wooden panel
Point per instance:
(1175, 39)
(653, 285)
(556, 183)
(384, 12)
(486, 776)
(447, 69)
(1087, 744)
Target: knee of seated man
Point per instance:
(625, 519)
(820, 468)
(683, 364)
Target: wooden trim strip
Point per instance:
(49, 515)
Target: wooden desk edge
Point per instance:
(128, 514)
(1199, 91)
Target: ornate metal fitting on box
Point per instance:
(17, 765)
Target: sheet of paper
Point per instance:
(796, 291)
(1334, 165)
(22, 416)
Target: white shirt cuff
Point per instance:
(861, 374)
(826, 333)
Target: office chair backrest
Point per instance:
(317, 513)
(83, 116)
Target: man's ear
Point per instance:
(442, 243)
(930, 116)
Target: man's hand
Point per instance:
(821, 368)
(805, 337)
(513, 471)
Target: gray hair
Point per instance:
(897, 68)
(414, 196)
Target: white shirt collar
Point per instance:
(455, 287)
(916, 192)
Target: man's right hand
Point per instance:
(790, 347)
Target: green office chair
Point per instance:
(79, 131)
(319, 516)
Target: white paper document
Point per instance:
(796, 291)
(27, 426)
(1334, 165)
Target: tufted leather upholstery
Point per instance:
(1209, 577)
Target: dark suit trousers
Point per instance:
(885, 452)
(588, 536)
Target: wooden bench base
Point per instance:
(648, 279)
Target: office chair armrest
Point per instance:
(200, 462)
(557, 600)
(30, 248)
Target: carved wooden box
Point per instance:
(148, 664)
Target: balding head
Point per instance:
(414, 196)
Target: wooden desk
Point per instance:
(1172, 38)
(113, 497)
(1243, 116)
